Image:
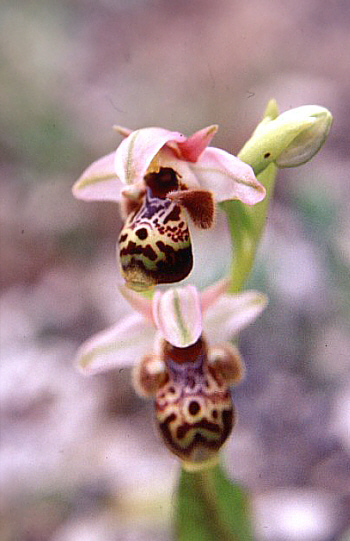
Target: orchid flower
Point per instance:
(165, 182)
(189, 365)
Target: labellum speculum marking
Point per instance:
(154, 244)
(193, 404)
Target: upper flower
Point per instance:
(198, 166)
(162, 178)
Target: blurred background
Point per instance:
(78, 458)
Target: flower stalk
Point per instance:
(203, 483)
(246, 227)
(211, 507)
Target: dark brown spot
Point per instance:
(122, 238)
(227, 419)
(181, 431)
(167, 250)
(171, 390)
(149, 252)
(136, 249)
(207, 425)
(131, 248)
(173, 216)
(267, 154)
(194, 407)
(142, 233)
(215, 414)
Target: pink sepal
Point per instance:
(231, 313)
(228, 177)
(99, 181)
(118, 346)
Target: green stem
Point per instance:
(211, 508)
(246, 226)
(206, 492)
(246, 223)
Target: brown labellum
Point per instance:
(154, 244)
(194, 408)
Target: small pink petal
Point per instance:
(141, 304)
(212, 293)
(118, 346)
(228, 177)
(135, 153)
(177, 315)
(194, 145)
(99, 181)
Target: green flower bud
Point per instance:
(289, 139)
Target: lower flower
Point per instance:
(190, 367)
